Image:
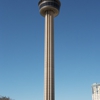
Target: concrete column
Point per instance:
(49, 57)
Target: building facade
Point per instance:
(96, 91)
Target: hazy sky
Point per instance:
(77, 49)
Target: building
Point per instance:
(96, 91)
(49, 9)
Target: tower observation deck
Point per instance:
(53, 5)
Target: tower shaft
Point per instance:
(49, 9)
(49, 56)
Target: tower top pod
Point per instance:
(53, 5)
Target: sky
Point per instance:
(77, 49)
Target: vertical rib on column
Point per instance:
(45, 62)
(48, 47)
(49, 57)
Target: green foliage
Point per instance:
(5, 98)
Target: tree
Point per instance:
(4, 98)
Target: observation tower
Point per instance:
(49, 9)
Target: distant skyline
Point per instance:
(77, 49)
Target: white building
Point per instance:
(96, 91)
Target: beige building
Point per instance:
(96, 91)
